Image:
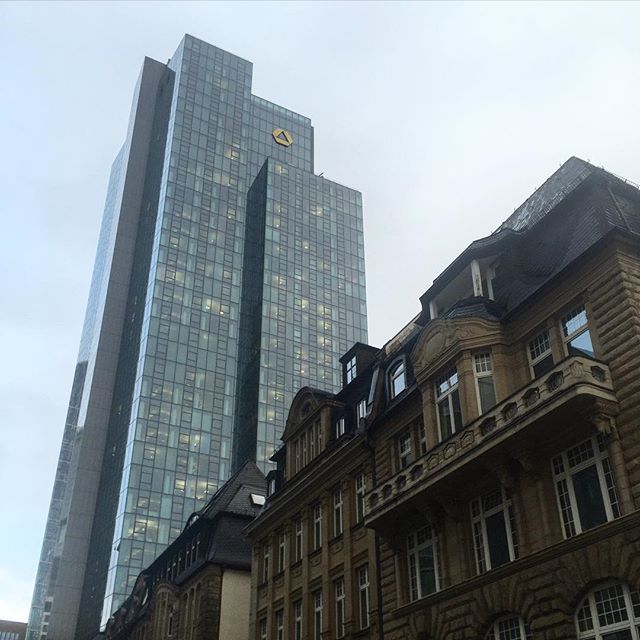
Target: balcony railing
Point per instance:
(575, 375)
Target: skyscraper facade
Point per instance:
(227, 276)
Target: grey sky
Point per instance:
(445, 116)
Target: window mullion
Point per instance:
(602, 481)
(577, 522)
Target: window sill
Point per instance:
(315, 553)
(336, 539)
(296, 564)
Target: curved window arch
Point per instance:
(611, 611)
(397, 379)
(509, 627)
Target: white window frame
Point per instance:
(317, 615)
(405, 449)
(338, 513)
(587, 611)
(297, 451)
(447, 396)
(312, 443)
(534, 344)
(282, 546)
(279, 624)
(340, 598)
(364, 602)
(361, 490)
(417, 541)
(298, 538)
(262, 628)
(480, 370)
(317, 526)
(340, 427)
(266, 557)
(422, 436)
(397, 372)
(497, 633)
(479, 517)
(565, 490)
(297, 620)
(350, 370)
(568, 337)
(361, 409)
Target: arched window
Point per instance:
(509, 627)
(397, 379)
(611, 611)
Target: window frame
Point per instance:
(340, 427)
(599, 631)
(404, 444)
(562, 472)
(573, 312)
(350, 370)
(266, 558)
(534, 361)
(493, 633)
(361, 410)
(263, 625)
(279, 624)
(340, 608)
(317, 526)
(414, 548)
(479, 517)
(397, 371)
(364, 591)
(298, 539)
(360, 484)
(297, 619)
(477, 375)
(338, 512)
(317, 614)
(282, 550)
(447, 396)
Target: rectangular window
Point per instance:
(350, 370)
(361, 490)
(340, 427)
(540, 356)
(338, 589)
(317, 615)
(298, 539)
(317, 526)
(448, 401)
(361, 410)
(363, 593)
(422, 432)
(297, 450)
(337, 512)
(423, 563)
(494, 534)
(312, 443)
(297, 620)
(575, 330)
(280, 625)
(262, 626)
(585, 489)
(265, 563)
(405, 450)
(483, 369)
(282, 545)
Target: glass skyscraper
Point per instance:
(227, 276)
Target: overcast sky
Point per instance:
(445, 116)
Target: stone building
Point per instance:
(199, 587)
(498, 445)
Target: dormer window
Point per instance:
(397, 379)
(350, 371)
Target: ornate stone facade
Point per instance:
(500, 442)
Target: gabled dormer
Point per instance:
(356, 360)
(308, 429)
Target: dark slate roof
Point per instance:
(234, 497)
(559, 185)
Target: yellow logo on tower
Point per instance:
(282, 137)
